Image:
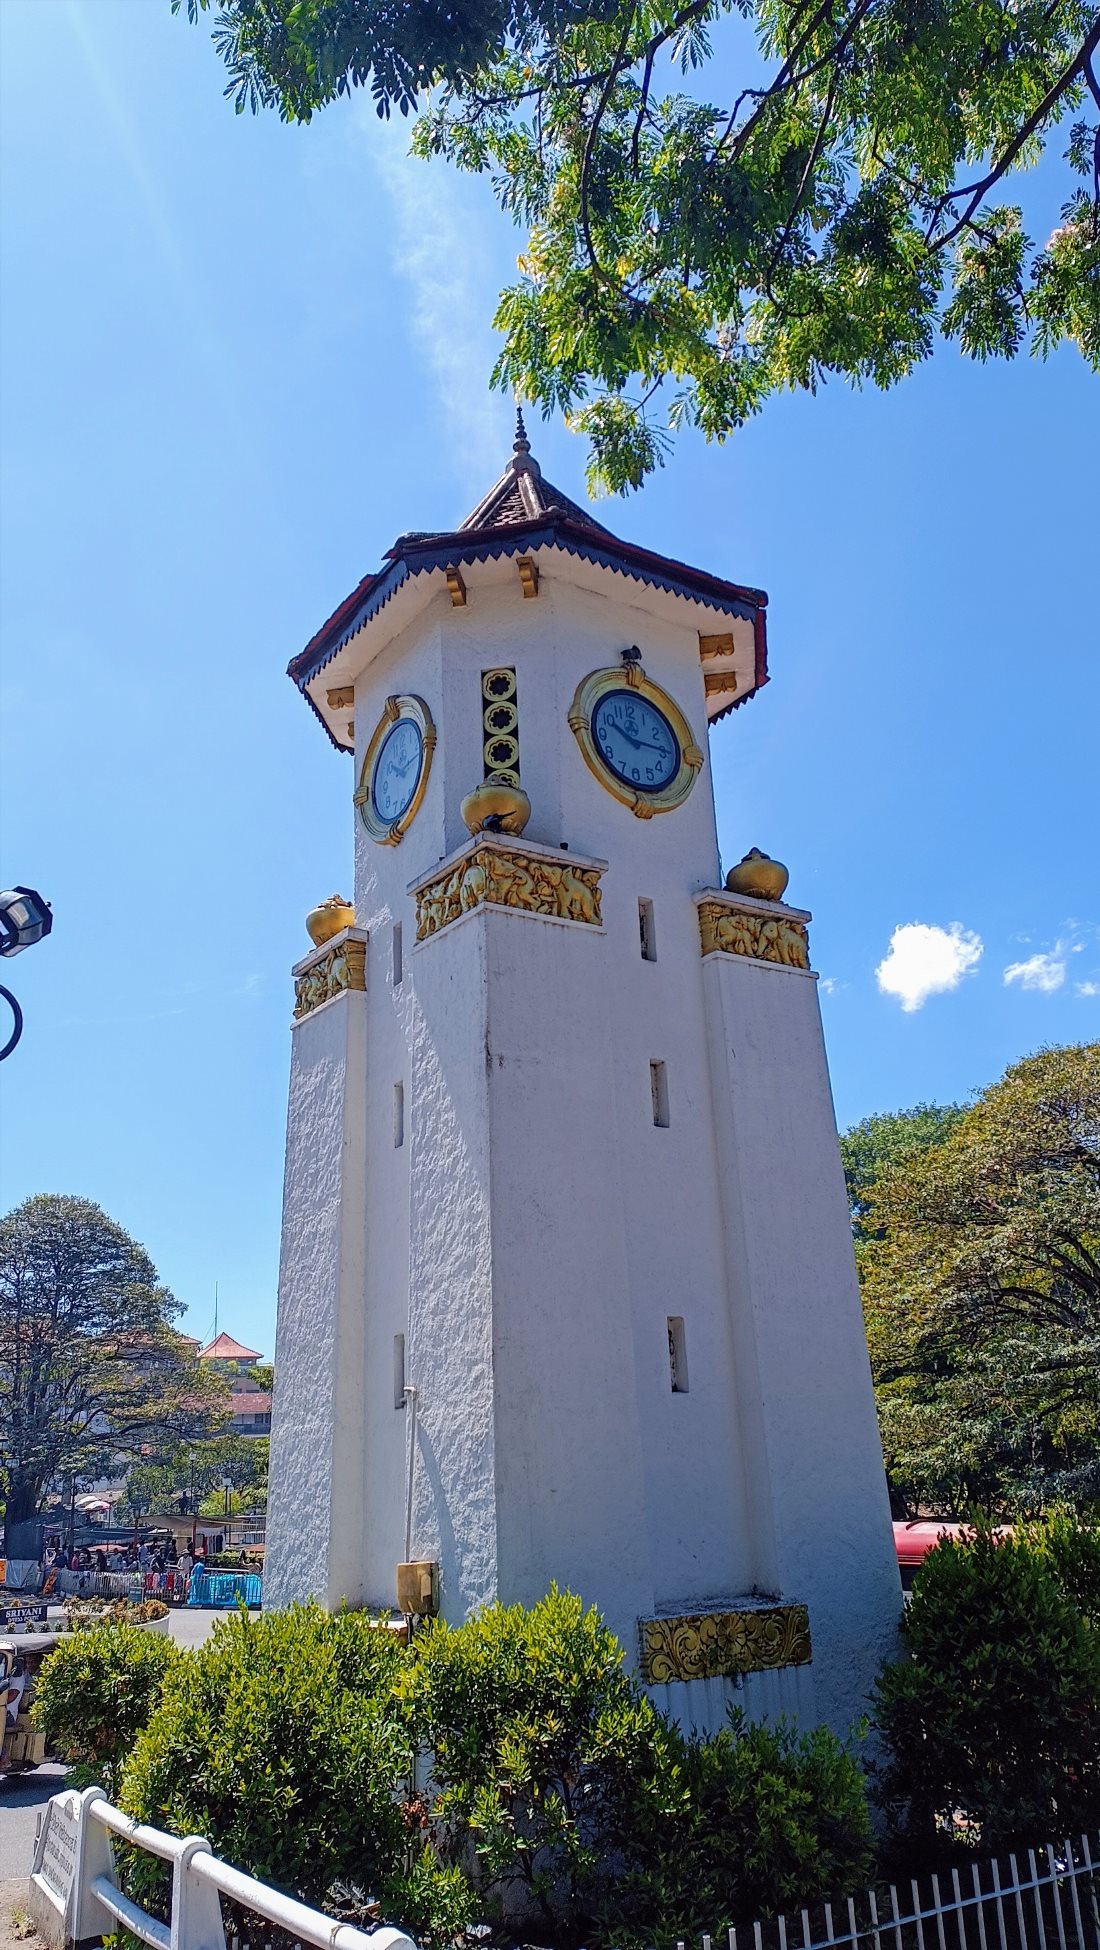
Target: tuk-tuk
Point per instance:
(21, 1744)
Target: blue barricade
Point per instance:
(221, 1589)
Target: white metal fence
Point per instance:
(1044, 1898)
(75, 1891)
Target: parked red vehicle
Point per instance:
(914, 1540)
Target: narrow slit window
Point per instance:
(677, 1354)
(658, 1085)
(399, 1370)
(398, 1115)
(646, 931)
(397, 954)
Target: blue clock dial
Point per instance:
(397, 771)
(635, 741)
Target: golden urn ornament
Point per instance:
(496, 808)
(331, 917)
(759, 876)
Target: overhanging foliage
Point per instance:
(727, 198)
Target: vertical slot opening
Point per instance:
(677, 1354)
(399, 1370)
(646, 931)
(398, 1115)
(397, 954)
(658, 1085)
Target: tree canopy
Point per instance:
(191, 1477)
(884, 1140)
(723, 199)
(980, 1272)
(91, 1368)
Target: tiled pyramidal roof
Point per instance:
(521, 494)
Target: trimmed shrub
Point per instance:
(554, 1799)
(541, 1752)
(590, 1818)
(1072, 1551)
(765, 1820)
(992, 1726)
(279, 1743)
(97, 1691)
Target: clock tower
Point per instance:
(567, 1290)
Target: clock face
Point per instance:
(397, 771)
(635, 741)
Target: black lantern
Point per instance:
(24, 919)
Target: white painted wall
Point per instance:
(315, 1520)
(805, 1402)
(535, 1231)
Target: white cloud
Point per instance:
(440, 244)
(1045, 972)
(1088, 988)
(926, 960)
(828, 985)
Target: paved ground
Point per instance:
(23, 1797)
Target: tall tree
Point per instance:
(878, 1142)
(980, 1272)
(90, 1365)
(826, 195)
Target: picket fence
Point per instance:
(1044, 1898)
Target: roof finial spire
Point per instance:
(521, 444)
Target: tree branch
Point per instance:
(976, 191)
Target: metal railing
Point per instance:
(74, 1875)
(1049, 1899)
(221, 1589)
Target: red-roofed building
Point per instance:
(251, 1412)
(251, 1404)
(225, 1348)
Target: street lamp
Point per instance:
(25, 918)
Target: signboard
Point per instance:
(20, 1618)
(55, 1854)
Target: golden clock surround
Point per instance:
(631, 676)
(417, 712)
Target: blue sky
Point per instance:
(237, 360)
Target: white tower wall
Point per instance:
(534, 1230)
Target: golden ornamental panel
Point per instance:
(723, 1644)
(505, 878)
(762, 937)
(345, 967)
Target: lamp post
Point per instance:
(25, 918)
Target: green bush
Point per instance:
(1072, 1551)
(279, 1742)
(592, 1819)
(552, 1794)
(96, 1692)
(538, 1748)
(992, 1726)
(765, 1820)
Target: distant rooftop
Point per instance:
(225, 1348)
